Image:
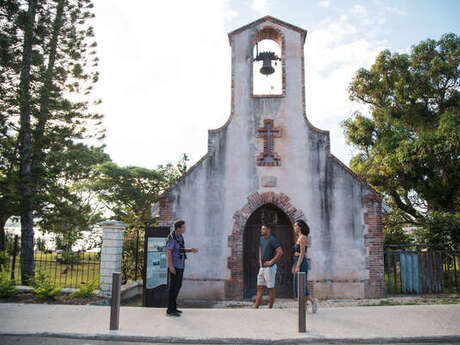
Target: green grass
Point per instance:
(63, 275)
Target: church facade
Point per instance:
(269, 164)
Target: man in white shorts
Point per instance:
(269, 253)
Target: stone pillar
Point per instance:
(111, 253)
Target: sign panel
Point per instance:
(155, 271)
(157, 263)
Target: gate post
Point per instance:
(111, 253)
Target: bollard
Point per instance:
(301, 296)
(115, 306)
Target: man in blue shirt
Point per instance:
(175, 251)
(269, 253)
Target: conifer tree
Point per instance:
(48, 69)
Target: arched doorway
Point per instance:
(282, 229)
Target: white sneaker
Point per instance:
(314, 306)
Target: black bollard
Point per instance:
(301, 296)
(115, 306)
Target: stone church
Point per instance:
(268, 163)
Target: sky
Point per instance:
(165, 65)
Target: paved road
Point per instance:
(15, 340)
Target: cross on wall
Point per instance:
(269, 132)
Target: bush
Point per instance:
(43, 287)
(86, 290)
(7, 288)
(69, 258)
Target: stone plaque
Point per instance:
(268, 181)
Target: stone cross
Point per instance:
(268, 132)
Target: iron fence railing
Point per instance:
(63, 269)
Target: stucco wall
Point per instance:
(329, 196)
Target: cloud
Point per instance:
(230, 14)
(260, 6)
(334, 52)
(358, 11)
(164, 82)
(325, 3)
(395, 10)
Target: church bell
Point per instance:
(267, 58)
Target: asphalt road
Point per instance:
(31, 340)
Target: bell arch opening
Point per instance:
(267, 69)
(267, 72)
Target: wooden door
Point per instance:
(282, 230)
(283, 234)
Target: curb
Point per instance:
(166, 340)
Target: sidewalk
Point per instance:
(384, 324)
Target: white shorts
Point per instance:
(266, 276)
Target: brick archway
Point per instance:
(234, 285)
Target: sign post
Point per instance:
(155, 270)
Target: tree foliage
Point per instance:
(47, 71)
(409, 146)
(130, 192)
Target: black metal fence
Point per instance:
(421, 269)
(63, 269)
(132, 262)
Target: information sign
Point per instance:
(157, 263)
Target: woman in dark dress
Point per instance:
(302, 230)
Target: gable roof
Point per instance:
(271, 19)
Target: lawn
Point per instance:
(73, 274)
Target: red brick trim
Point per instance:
(373, 240)
(166, 212)
(271, 152)
(275, 34)
(234, 286)
(303, 33)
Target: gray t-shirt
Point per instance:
(268, 247)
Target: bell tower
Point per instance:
(253, 62)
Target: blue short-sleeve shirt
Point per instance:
(268, 247)
(176, 245)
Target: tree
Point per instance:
(9, 76)
(73, 207)
(130, 192)
(25, 148)
(47, 82)
(408, 148)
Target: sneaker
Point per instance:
(178, 311)
(173, 314)
(314, 306)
